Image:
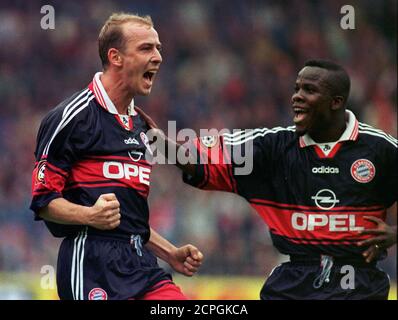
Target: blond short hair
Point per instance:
(111, 34)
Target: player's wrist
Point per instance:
(85, 215)
(170, 253)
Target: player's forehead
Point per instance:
(313, 75)
(139, 33)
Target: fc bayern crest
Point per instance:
(209, 141)
(363, 170)
(97, 294)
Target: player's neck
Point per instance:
(329, 133)
(117, 92)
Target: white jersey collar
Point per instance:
(350, 133)
(104, 100)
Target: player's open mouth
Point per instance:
(299, 114)
(149, 75)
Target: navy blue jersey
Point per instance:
(313, 197)
(85, 149)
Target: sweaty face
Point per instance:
(141, 58)
(311, 101)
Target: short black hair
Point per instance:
(339, 80)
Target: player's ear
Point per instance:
(337, 102)
(115, 57)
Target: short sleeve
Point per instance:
(60, 142)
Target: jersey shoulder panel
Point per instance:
(71, 109)
(376, 138)
(60, 122)
(263, 142)
(260, 135)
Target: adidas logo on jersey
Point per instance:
(324, 169)
(131, 141)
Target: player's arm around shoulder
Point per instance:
(170, 146)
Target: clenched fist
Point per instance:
(105, 214)
(186, 260)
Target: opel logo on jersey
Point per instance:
(332, 222)
(325, 199)
(326, 170)
(363, 170)
(135, 155)
(117, 170)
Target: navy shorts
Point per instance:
(97, 268)
(305, 281)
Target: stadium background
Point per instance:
(226, 64)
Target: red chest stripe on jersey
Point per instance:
(313, 208)
(322, 227)
(217, 175)
(100, 173)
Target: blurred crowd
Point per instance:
(226, 64)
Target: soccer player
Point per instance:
(322, 186)
(91, 182)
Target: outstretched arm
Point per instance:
(186, 259)
(171, 146)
